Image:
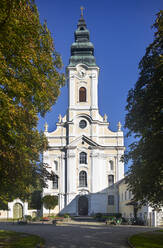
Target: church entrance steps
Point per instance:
(84, 219)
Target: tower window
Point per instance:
(55, 182)
(83, 158)
(82, 94)
(110, 180)
(82, 179)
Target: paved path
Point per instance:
(79, 235)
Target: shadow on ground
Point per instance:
(71, 235)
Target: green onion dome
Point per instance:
(82, 50)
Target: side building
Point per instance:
(129, 209)
(83, 153)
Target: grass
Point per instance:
(6, 220)
(147, 240)
(10, 239)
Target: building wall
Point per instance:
(125, 197)
(3, 214)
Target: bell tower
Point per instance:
(82, 73)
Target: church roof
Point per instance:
(82, 50)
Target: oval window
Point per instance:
(82, 124)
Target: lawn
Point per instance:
(147, 240)
(10, 239)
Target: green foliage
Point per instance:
(98, 215)
(50, 201)
(28, 217)
(66, 216)
(116, 215)
(108, 216)
(3, 204)
(30, 84)
(37, 218)
(20, 240)
(147, 240)
(144, 120)
(35, 200)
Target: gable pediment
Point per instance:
(81, 139)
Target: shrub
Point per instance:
(66, 216)
(124, 221)
(52, 216)
(37, 218)
(108, 216)
(27, 217)
(22, 222)
(98, 216)
(50, 202)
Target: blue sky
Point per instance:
(120, 31)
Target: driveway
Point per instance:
(79, 235)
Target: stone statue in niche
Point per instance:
(46, 127)
(105, 118)
(60, 118)
(119, 126)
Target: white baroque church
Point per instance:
(83, 153)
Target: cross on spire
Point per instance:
(82, 8)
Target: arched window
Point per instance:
(110, 180)
(82, 94)
(111, 165)
(82, 179)
(83, 158)
(55, 182)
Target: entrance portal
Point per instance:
(83, 205)
(17, 211)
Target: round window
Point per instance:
(82, 124)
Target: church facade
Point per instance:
(83, 153)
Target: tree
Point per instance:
(30, 84)
(50, 201)
(3, 205)
(144, 120)
(35, 200)
(136, 207)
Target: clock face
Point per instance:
(81, 71)
(82, 124)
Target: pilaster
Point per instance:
(71, 87)
(94, 89)
(71, 171)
